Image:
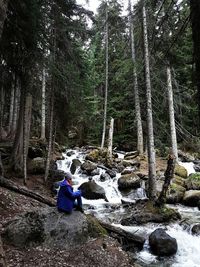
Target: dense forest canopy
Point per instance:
(54, 52)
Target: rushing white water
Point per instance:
(189, 166)
(188, 254)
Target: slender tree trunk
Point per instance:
(2, 102)
(140, 142)
(110, 138)
(12, 95)
(1, 168)
(3, 10)
(26, 133)
(169, 173)
(151, 151)
(16, 159)
(171, 114)
(106, 85)
(43, 124)
(48, 161)
(16, 107)
(195, 18)
(180, 101)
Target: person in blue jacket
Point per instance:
(67, 199)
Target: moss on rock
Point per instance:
(180, 171)
(94, 227)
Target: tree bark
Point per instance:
(16, 108)
(12, 95)
(106, 85)
(195, 15)
(1, 167)
(43, 119)
(26, 133)
(49, 154)
(151, 151)
(24, 191)
(3, 10)
(140, 142)
(171, 114)
(2, 101)
(16, 160)
(169, 173)
(110, 138)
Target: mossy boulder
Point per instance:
(192, 198)
(179, 180)
(129, 181)
(97, 155)
(51, 229)
(95, 229)
(193, 182)
(93, 155)
(148, 212)
(176, 193)
(180, 171)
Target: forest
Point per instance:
(112, 96)
(66, 71)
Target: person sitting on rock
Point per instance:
(68, 199)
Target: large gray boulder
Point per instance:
(91, 190)
(129, 181)
(162, 244)
(196, 229)
(75, 164)
(88, 166)
(192, 198)
(50, 228)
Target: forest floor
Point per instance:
(13, 204)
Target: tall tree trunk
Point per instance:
(3, 10)
(140, 142)
(26, 133)
(12, 95)
(16, 107)
(16, 159)
(43, 119)
(151, 151)
(1, 168)
(169, 173)
(49, 154)
(2, 102)
(195, 17)
(171, 114)
(106, 85)
(110, 138)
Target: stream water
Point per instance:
(188, 254)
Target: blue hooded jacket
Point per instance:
(66, 197)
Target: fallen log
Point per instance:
(128, 240)
(24, 191)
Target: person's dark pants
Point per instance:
(78, 202)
